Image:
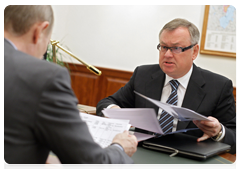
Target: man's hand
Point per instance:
(115, 106)
(210, 128)
(127, 141)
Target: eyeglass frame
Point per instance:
(170, 48)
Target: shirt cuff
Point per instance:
(222, 136)
(117, 145)
(111, 105)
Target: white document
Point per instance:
(143, 118)
(182, 114)
(103, 130)
(142, 136)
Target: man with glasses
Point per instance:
(200, 90)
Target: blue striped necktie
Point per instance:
(166, 120)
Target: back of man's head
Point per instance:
(18, 19)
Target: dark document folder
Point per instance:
(187, 146)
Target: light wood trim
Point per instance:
(87, 109)
(204, 32)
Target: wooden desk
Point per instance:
(225, 157)
(228, 156)
(87, 109)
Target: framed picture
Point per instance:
(219, 31)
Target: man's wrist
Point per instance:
(117, 145)
(111, 105)
(220, 135)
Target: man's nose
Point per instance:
(168, 53)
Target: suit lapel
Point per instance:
(194, 94)
(154, 89)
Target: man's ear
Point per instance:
(39, 29)
(195, 51)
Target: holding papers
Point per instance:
(182, 114)
(141, 118)
(103, 130)
(145, 118)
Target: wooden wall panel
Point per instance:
(113, 84)
(235, 94)
(90, 89)
(84, 84)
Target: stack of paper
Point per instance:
(103, 130)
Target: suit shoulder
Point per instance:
(34, 64)
(212, 76)
(149, 68)
(22, 66)
(147, 72)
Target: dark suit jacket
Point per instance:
(207, 93)
(40, 114)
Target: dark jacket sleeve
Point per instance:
(59, 126)
(226, 113)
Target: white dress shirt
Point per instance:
(181, 92)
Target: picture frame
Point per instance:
(214, 51)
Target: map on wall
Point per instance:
(221, 29)
(220, 33)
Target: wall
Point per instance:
(123, 37)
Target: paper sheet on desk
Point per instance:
(144, 118)
(182, 114)
(103, 130)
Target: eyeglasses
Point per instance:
(175, 50)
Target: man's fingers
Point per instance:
(204, 137)
(134, 139)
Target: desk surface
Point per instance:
(87, 109)
(146, 156)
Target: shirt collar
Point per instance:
(11, 43)
(182, 80)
